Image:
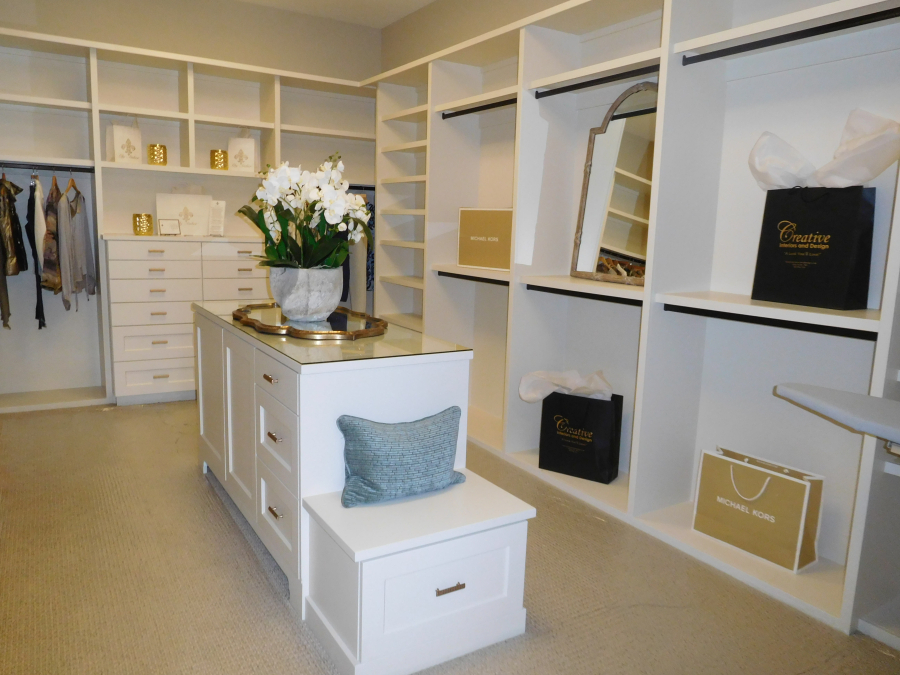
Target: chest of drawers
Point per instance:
(152, 283)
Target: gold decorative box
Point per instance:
(156, 154)
(218, 159)
(485, 238)
(142, 224)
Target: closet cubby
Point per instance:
(134, 85)
(234, 98)
(43, 74)
(328, 114)
(172, 133)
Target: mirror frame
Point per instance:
(586, 181)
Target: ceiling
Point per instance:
(373, 13)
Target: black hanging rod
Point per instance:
(634, 113)
(497, 282)
(870, 336)
(598, 81)
(480, 108)
(354, 186)
(586, 296)
(845, 24)
(42, 166)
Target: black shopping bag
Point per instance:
(580, 436)
(815, 247)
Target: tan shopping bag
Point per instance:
(766, 509)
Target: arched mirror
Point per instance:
(613, 218)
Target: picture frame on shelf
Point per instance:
(169, 226)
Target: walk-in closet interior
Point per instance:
(611, 130)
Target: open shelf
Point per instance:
(630, 180)
(628, 216)
(401, 243)
(404, 180)
(411, 321)
(475, 273)
(177, 169)
(494, 96)
(40, 160)
(409, 282)
(417, 113)
(866, 320)
(233, 122)
(606, 69)
(779, 26)
(327, 133)
(44, 102)
(402, 212)
(612, 498)
(816, 590)
(623, 251)
(412, 146)
(53, 398)
(142, 112)
(567, 285)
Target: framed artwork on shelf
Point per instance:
(169, 226)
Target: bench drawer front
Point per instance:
(417, 596)
(278, 440)
(278, 520)
(153, 250)
(277, 379)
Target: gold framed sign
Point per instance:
(485, 238)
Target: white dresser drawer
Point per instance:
(278, 440)
(228, 250)
(142, 343)
(153, 250)
(420, 596)
(236, 289)
(278, 520)
(150, 313)
(278, 380)
(153, 290)
(166, 269)
(136, 378)
(233, 269)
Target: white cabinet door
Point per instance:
(241, 425)
(211, 396)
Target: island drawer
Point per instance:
(278, 440)
(278, 520)
(278, 380)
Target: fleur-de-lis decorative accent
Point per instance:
(185, 216)
(241, 157)
(128, 148)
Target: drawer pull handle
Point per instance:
(270, 379)
(157, 269)
(156, 250)
(157, 290)
(245, 252)
(160, 342)
(245, 289)
(160, 377)
(439, 592)
(274, 512)
(245, 269)
(158, 313)
(273, 437)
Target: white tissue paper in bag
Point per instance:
(869, 145)
(539, 385)
(776, 164)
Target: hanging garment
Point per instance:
(76, 248)
(4, 292)
(35, 211)
(50, 268)
(40, 224)
(10, 228)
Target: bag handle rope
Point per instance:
(749, 499)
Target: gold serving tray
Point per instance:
(343, 324)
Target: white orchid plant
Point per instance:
(308, 219)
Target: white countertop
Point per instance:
(311, 354)
(376, 530)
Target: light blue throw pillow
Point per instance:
(387, 461)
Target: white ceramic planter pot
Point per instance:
(306, 295)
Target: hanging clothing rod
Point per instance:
(480, 108)
(29, 166)
(866, 19)
(634, 113)
(354, 186)
(598, 81)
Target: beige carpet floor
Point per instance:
(117, 556)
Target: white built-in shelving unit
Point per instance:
(695, 358)
(57, 116)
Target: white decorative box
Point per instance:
(192, 211)
(123, 144)
(242, 155)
